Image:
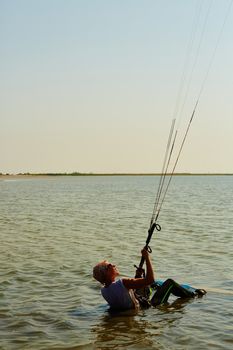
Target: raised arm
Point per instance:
(136, 283)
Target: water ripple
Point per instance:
(54, 230)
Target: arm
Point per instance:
(137, 283)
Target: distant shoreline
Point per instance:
(42, 175)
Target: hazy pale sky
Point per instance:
(93, 85)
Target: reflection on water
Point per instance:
(122, 331)
(132, 329)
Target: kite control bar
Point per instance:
(140, 271)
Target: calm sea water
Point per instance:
(53, 230)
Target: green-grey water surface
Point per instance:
(54, 229)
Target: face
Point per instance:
(111, 270)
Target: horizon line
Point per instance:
(111, 174)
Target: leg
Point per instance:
(169, 286)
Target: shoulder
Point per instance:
(114, 284)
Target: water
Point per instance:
(53, 230)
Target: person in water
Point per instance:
(121, 294)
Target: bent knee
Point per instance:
(170, 281)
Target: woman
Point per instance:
(120, 294)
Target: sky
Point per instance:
(93, 85)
